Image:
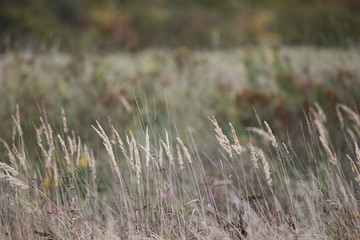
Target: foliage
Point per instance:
(137, 24)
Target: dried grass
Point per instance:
(221, 137)
(185, 150)
(166, 202)
(266, 167)
(273, 139)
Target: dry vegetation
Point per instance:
(157, 183)
(160, 189)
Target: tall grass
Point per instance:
(160, 188)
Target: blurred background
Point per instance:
(171, 64)
(137, 24)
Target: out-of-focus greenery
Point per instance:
(203, 23)
(188, 86)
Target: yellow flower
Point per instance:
(83, 162)
(48, 182)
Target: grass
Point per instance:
(187, 85)
(146, 174)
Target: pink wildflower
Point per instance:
(170, 194)
(49, 207)
(272, 216)
(213, 193)
(82, 223)
(162, 196)
(132, 215)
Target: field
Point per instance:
(248, 143)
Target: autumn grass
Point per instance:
(158, 188)
(166, 163)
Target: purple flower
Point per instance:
(81, 227)
(170, 194)
(82, 223)
(132, 215)
(272, 216)
(49, 207)
(213, 193)
(162, 196)
(356, 221)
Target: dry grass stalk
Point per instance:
(160, 156)
(55, 173)
(15, 182)
(64, 148)
(125, 103)
(78, 153)
(19, 153)
(357, 153)
(351, 134)
(354, 169)
(260, 132)
(217, 183)
(236, 146)
(186, 152)
(286, 149)
(222, 139)
(179, 157)
(151, 158)
(340, 116)
(8, 169)
(342, 188)
(356, 129)
(71, 146)
(16, 120)
(320, 112)
(137, 160)
(331, 157)
(63, 116)
(108, 147)
(167, 147)
(253, 156)
(39, 132)
(47, 131)
(10, 154)
(120, 142)
(13, 133)
(273, 139)
(73, 139)
(21, 156)
(266, 168)
(147, 147)
(113, 135)
(351, 114)
(47, 154)
(131, 152)
(317, 120)
(11, 179)
(91, 161)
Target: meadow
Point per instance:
(248, 143)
